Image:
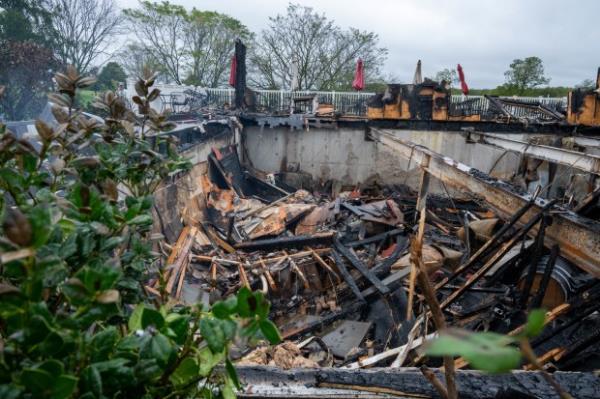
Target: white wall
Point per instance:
(344, 154)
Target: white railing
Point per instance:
(275, 101)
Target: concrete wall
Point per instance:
(340, 154)
(344, 154)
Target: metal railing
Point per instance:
(176, 97)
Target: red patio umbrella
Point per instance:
(461, 76)
(359, 76)
(232, 71)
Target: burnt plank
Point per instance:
(362, 268)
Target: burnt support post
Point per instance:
(240, 74)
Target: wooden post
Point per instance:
(421, 208)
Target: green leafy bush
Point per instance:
(75, 250)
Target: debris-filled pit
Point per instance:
(351, 274)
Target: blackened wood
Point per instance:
(536, 302)
(362, 268)
(497, 256)
(287, 242)
(375, 238)
(385, 266)
(492, 243)
(533, 264)
(471, 384)
(346, 275)
(240, 74)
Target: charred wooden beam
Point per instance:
(362, 268)
(346, 275)
(272, 382)
(375, 238)
(287, 242)
(578, 237)
(533, 262)
(240, 74)
(536, 302)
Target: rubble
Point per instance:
(340, 271)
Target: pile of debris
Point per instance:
(342, 276)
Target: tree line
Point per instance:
(299, 47)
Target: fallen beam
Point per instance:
(272, 382)
(287, 242)
(362, 268)
(578, 160)
(578, 237)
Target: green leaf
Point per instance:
(185, 373)
(251, 329)
(141, 220)
(179, 325)
(151, 317)
(37, 381)
(148, 369)
(269, 330)
(53, 367)
(232, 373)
(41, 225)
(10, 392)
(213, 334)
(208, 360)
(135, 320)
(486, 351)
(262, 305)
(111, 243)
(64, 386)
(246, 303)
(229, 328)
(91, 381)
(112, 364)
(535, 323)
(227, 390)
(103, 343)
(224, 309)
(160, 348)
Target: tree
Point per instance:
(159, 28)
(209, 43)
(586, 84)
(134, 59)
(110, 76)
(26, 20)
(26, 70)
(526, 74)
(84, 29)
(325, 54)
(26, 57)
(194, 45)
(449, 75)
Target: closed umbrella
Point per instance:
(358, 83)
(463, 84)
(232, 71)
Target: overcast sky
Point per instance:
(483, 35)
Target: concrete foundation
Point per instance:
(345, 155)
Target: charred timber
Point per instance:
(287, 242)
(578, 237)
(271, 382)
